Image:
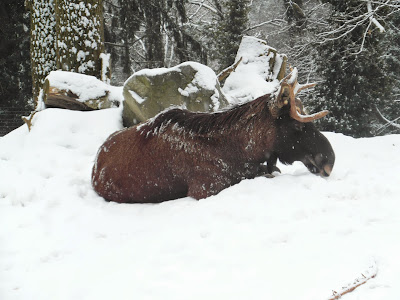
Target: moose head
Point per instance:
(297, 137)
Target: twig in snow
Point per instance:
(367, 275)
(28, 120)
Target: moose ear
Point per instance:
(283, 97)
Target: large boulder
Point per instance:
(189, 85)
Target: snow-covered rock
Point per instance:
(257, 74)
(189, 85)
(87, 90)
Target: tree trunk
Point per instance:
(43, 38)
(80, 36)
(65, 35)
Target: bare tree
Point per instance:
(162, 35)
(276, 20)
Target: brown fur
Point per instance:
(181, 153)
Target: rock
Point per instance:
(79, 92)
(259, 72)
(189, 85)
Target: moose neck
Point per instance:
(251, 129)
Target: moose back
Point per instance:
(180, 153)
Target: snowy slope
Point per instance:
(297, 236)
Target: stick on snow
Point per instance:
(367, 275)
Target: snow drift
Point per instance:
(297, 236)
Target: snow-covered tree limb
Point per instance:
(201, 4)
(387, 122)
(372, 18)
(368, 12)
(275, 22)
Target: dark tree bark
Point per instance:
(65, 35)
(79, 36)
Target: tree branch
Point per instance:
(387, 122)
(371, 17)
(138, 39)
(202, 4)
(112, 4)
(274, 22)
(28, 120)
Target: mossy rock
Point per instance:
(189, 85)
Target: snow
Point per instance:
(86, 87)
(249, 80)
(81, 55)
(296, 236)
(135, 96)
(105, 67)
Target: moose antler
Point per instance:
(288, 91)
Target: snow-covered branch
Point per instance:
(387, 3)
(387, 122)
(346, 28)
(367, 13)
(275, 22)
(372, 18)
(363, 40)
(202, 4)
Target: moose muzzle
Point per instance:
(319, 164)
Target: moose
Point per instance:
(179, 153)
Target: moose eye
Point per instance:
(298, 126)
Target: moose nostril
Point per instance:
(328, 170)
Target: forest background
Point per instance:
(350, 47)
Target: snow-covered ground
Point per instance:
(296, 236)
